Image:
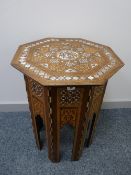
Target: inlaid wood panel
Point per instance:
(67, 61)
(65, 82)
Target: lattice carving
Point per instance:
(37, 107)
(69, 95)
(63, 105)
(36, 88)
(68, 116)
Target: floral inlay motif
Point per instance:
(56, 59)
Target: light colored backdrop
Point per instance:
(103, 21)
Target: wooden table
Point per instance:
(65, 82)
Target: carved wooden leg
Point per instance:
(81, 124)
(35, 94)
(52, 124)
(36, 132)
(90, 130)
(95, 106)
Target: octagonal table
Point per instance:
(65, 82)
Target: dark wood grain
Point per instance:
(56, 106)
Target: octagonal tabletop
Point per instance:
(66, 61)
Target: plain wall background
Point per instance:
(103, 21)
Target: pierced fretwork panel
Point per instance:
(36, 89)
(68, 116)
(69, 96)
(38, 107)
(69, 104)
(36, 97)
